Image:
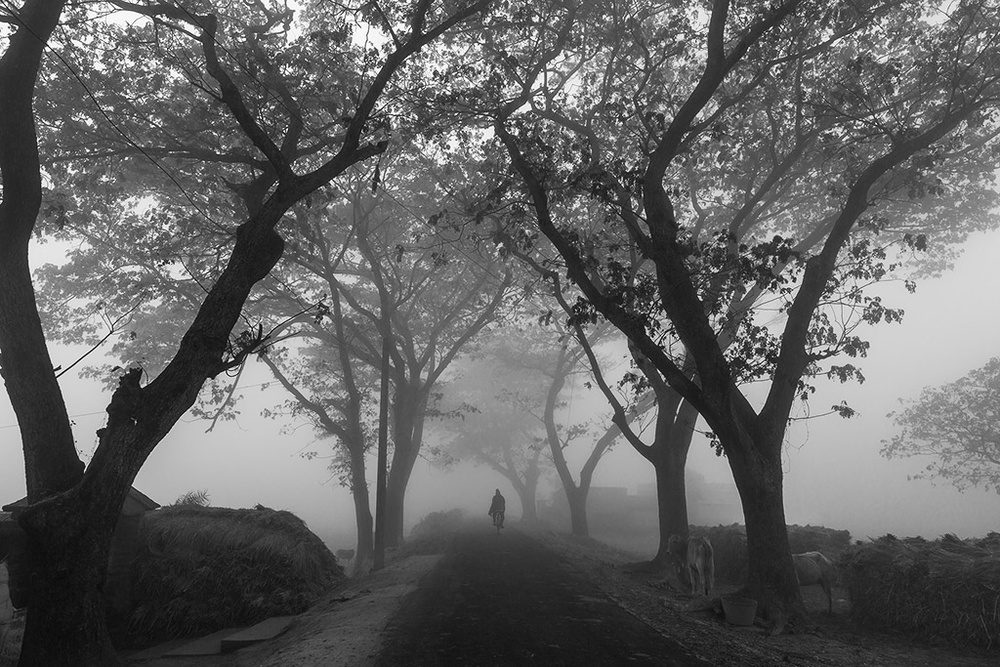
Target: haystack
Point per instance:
(730, 545)
(948, 589)
(202, 569)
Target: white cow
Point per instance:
(812, 567)
(696, 557)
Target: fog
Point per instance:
(834, 475)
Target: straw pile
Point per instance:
(202, 569)
(729, 544)
(948, 590)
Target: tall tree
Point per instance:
(675, 418)
(73, 509)
(379, 264)
(812, 131)
(484, 417)
(563, 360)
(957, 426)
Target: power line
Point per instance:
(101, 412)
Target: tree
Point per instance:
(379, 270)
(484, 416)
(958, 425)
(72, 510)
(674, 420)
(813, 132)
(559, 366)
(541, 361)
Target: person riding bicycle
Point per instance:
(497, 508)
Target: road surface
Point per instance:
(506, 600)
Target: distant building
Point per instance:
(709, 503)
(612, 509)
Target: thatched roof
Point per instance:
(136, 502)
(201, 569)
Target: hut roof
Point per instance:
(136, 502)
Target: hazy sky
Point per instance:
(834, 473)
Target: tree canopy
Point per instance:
(721, 185)
(957, 425)
(212, 85)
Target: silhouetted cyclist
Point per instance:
(497, 508)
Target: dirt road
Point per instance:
(507, 600)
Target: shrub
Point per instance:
(437, 524)
(948, 589)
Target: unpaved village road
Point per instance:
(507, 600)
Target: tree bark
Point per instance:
(772, 578)
(365, 548)
(409, 407)
(527, 491)
(671, 499)
(69, 541)
(669, 459)
(527, 495)
(576, 498)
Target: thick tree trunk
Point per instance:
(671, 498)
(403, 460)
(365, 549)
(395, 502)
(409, 409)
(576, 497)
(69, 538)
(529, 507)
(772, 578)
(527, 491)
(669, 459)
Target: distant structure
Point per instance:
(612, 509)
(709, 503)
(123, 547)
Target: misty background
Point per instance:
(834, 474)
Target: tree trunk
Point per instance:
(365, 548)
(410, 408)
(69, 540)
(529, 509)
(771, 573)
(669, 459)
(528, 492)
(576, 497)
(671, 498)
(403, 459)
(395, 501)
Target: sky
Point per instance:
(834, 474)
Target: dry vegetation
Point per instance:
(836, 639)
(352, 617)
(202, 569)
(948, 589)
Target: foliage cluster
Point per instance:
(958, 426)
(199, 570)
(946, 589)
